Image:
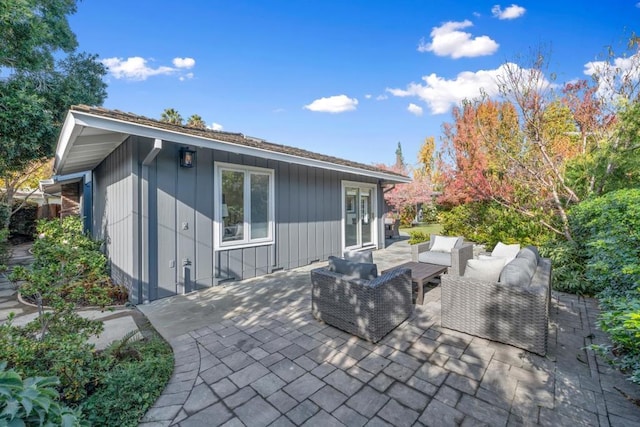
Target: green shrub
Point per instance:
(55, 344)
(489, 223)
(5, 246)
(68, 266)
(32, 401)
(416, 237)
(23, 221)
(568, 267)
(133, 385)
(607, 231)
(620, 318)
(407, 215)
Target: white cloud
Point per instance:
(184, 62)
(215, 126)
(333, 104)
(512, 12)
(137, 68)
(414, 109)
(381, 97)
(368, 96)
(442, 94)
(448, 40)
(624, 68)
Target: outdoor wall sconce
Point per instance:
(187, 157)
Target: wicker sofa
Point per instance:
(369, 309)
(455, 260)
(514, 314)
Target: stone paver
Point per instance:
(262, 359)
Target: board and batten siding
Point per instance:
(114, 217)
(166, 214)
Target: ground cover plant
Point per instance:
(112, 387)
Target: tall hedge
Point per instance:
(607, 232)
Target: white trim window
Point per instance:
(244, 208)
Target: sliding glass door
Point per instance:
(358, 215)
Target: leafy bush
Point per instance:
(607, 230)
(133, 385)
(620, 318)
(23, 221)
(568, 267)
(5, 246)
(68, 266)
(418, 237)
(489, 223)
(55, 344)
(32, 401)
(407, 215)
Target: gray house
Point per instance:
(181, 209)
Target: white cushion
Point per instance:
(484, 269)
(492, 257)
(443, 244)
(508, 252)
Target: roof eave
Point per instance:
(77, 120)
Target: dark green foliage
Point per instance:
(5, 247)
(620, 318)
(489, 223)
(32, 401)
(23, 221)
(55, 344)
(607, 230)
(68, 267)
(132, 386)
(32, 31)
(568, 267)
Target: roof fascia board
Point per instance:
(90, 120)
(68, 134)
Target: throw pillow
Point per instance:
(487, 270)
(518, 272)
(528, 254)
(353, 270)
(443, 244)
(508, 252)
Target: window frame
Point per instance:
(247, 241)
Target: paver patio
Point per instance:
(250, 353)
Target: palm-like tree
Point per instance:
(195, 121)
(169, 115)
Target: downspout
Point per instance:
(144, 217)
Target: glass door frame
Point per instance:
(373, 214)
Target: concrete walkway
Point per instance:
(250, 353)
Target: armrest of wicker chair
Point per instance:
(367, 308)
(459, 257)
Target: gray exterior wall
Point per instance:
(115, 215)
(157, 221)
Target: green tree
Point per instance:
(32, 31)
(170, 115)
(196, 121)
(44, 76)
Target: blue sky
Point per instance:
(345, 78)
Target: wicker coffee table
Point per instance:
(421, 273)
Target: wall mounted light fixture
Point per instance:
(187, 157)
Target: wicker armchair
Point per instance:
(369, 309)
(456, 260)
(514, 315)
